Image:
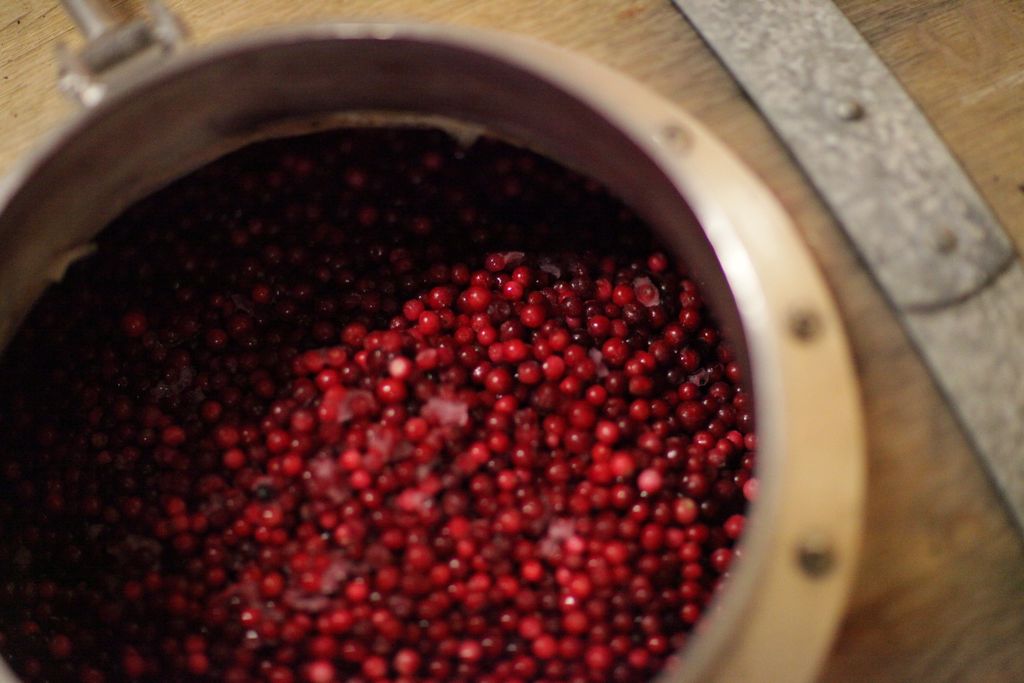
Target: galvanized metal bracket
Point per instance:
(933, 245)
(113, 47)
(918, 222)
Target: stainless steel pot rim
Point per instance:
(778, 615)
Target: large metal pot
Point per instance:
(153, 114)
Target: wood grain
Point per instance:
(940, 594)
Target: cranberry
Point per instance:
(545, 647)
(533, 315)
(733, 526)
(650, 481)
(133, 323)
(369, 406)
(320, 671)
(407, 662)
(60, 647)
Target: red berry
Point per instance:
(650, 481)
(133, 324)
(60, 647)
(391, 391)
(320, 671)
(475, 300)
(599, 657)
(272, 585)
(533, 315)
(331, 448)
(733, 526)
(545, 647)
(407, 662)
(470, 651)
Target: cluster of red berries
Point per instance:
(368, 406)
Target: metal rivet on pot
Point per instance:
(849, 110)
(815, 555)
(675, 137)
(945, 241)
(804, 324)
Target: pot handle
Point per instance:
(114, 47)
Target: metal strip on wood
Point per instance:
(932, 244)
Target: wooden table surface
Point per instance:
(940, 593)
